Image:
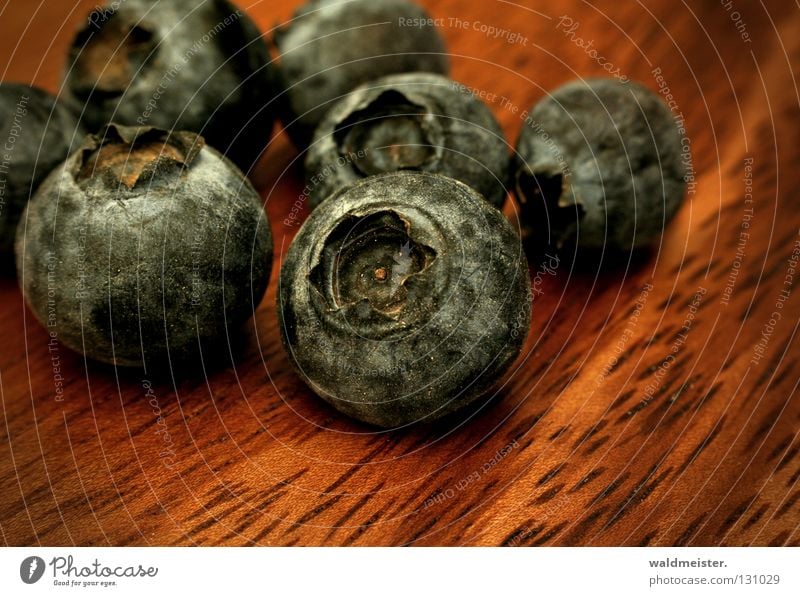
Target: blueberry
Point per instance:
(178, 65)
(599, 165)
(143, 247)
(332, 46)
(403, 298)
(413, 121)
(36, 134)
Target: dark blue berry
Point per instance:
(415, 121)
(403, 298)
(177, 65)
(599, 165)
(331, 47)
(144, 247)
(37, 132)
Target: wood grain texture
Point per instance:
(598, 437)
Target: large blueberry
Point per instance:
(200, 66)
(144, 247)
(37, 133)
(332, 46)
(414, 121)
(599, 165)
(403, 298)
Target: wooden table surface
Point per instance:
(673, 421)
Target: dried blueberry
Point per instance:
(414, 121)
(599, 165)
(143, 247)
(403, 298)
(36, 134)
(178, 65)
(332, 46)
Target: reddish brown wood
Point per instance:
(711, 458)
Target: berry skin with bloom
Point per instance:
(331, 47)
(599, 165)
(403, 298)
(143, 248)
(37, 133)
(199, 66)
(415, 121)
